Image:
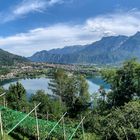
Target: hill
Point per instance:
(108, 50)
(7, 58)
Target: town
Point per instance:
(29, 69)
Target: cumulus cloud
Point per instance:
(125, 23)
(26, 7)
(45, 38)
(60, 35)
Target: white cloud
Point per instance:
(29, 6)
(44, 38)
(52, 2)
(26, 7)
(119, 23)
(60, 35)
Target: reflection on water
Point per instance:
(32, 85)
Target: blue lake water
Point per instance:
(32, 85)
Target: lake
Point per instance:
(32, 85)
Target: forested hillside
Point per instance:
(7, 58)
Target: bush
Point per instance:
(119, 124)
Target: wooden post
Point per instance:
(37, 127)
(1, 126)
(55, 125)
(76, 129)
(47, 116)
(83, 131)
(60, 100)
(4, 102)
(3, 95)
(64, 129)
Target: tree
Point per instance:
(81, 98)
(58, 82)
(137, 78)
(16, 97)
(83, 89)
(41, 97)
(72, 91)
(48, 105)
(116, 124)
(122, 84)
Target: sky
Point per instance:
(28, 26)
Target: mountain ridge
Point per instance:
(108, 50)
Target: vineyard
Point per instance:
(28, 127)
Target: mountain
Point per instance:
(67, 50)
(7, 58)
(108, 50)
(55, 54)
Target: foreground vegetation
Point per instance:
(113, 114)
(27, 128)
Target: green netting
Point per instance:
(28, 127)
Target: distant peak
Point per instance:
(114, 37)
(137, 33)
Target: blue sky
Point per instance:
(27, 26)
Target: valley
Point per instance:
(69, 69)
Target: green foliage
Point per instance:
(90, 136)
(57, 109)
(28, 126)
(118, 124)
(4, 71)
(58, 82)
(124, 83)
(117, 114)
(7, 58)
(74, 95)
(2, 98)
(83, 89)
(41, 97)
(16, 97)
(72, 91)
(48, 105)
(6, 137)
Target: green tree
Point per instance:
(137, 78)
(45, 106)
(48, 105)
(116, 124)
(83, 89)
(122, 84)
(58, 82)
(81, 98)
(72, 91)
(57, 109)
(16, 97)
